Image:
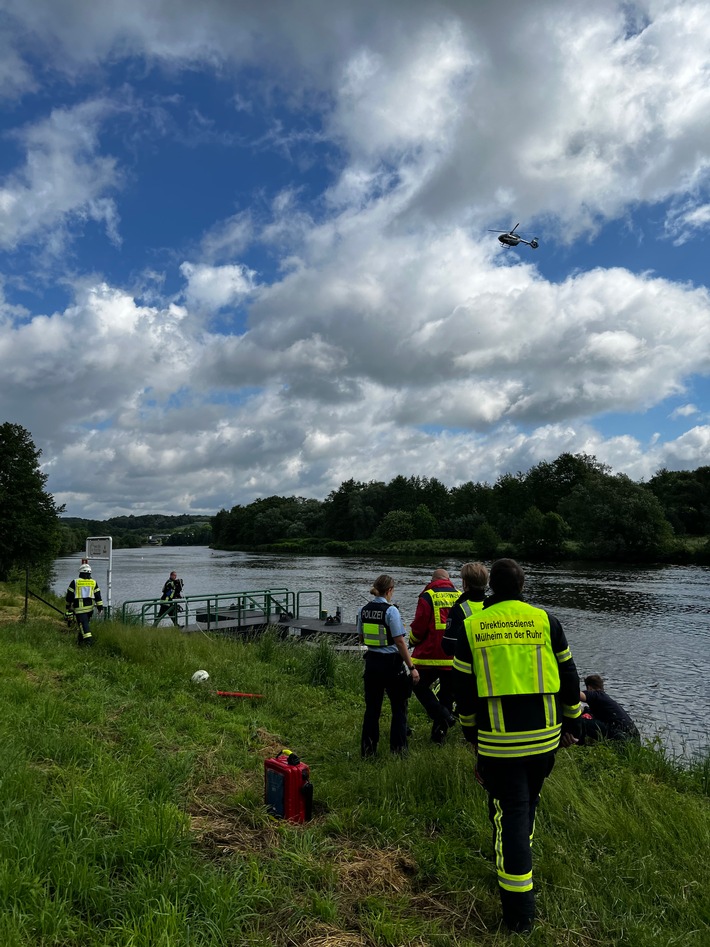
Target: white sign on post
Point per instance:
(101, 547)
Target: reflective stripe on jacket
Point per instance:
(85, 594)
(433, 608)
(373, 622)
(513, 660)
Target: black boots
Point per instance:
(518, 910)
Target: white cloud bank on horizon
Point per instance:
(391, 339)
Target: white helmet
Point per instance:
(85, 570)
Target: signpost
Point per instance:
(101, 547)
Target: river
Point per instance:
(645, 629)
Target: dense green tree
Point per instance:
(540, 534)
(396, 525)
(472, 499)
(618, 518)
(528, 531)
(435, 496)
(512, 499)
(342, 510)
(460, 527)
(30, 518)
(549, 483)
(404, 493)
(685, 498)
(486, 541)
(425, 523)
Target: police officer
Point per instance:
(517, 692)
(387, 660)
(82, 595)
(171, 591)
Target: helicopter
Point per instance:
(509, 238)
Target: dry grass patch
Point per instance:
(336, 938)
(374, 870)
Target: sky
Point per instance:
(246, 247)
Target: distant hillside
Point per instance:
(134, 531)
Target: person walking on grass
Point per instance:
(387, 660)
(427, 630)
(82, 595)
(172, 590)
(517, 693)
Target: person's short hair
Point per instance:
(506, 578)
(474, 575)
(174, 573)
(382, 584)
(439, 574)
(594, 681)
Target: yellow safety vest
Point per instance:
(84, 595)
(511, 650)
(441, 599)
(375, 633)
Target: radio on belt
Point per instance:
(288, 790)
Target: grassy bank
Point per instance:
(131, 809)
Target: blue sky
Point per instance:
(244, 247)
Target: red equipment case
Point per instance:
(288, 791)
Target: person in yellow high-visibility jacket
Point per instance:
(82, 595)
(427, 630)
(517, 693)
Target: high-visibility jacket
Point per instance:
(172, 589)
(82, 595)
(373, 624)
(429, 625)
(519, 679)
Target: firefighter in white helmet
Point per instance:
(82, 596)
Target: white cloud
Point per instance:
(684, 411)
(214, 287)
(63, 179)
(387, 336)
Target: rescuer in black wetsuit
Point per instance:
(609, 719)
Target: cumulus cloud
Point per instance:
(64, 178)
(374, 331)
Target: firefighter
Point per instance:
(387, 660)
(517, 691)
(427, 630)
(171, 590)
(82, 595)
(474, 579)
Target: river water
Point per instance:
(645, 629)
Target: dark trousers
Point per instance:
(438, 706)
(169, 608)
(84, 632)
(513, 786)
(385, 674)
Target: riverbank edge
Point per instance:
(690, 552)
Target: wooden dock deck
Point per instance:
(254, 621)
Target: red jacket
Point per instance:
(430, 623)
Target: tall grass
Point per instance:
(131, 811)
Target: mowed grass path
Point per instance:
(131, 811)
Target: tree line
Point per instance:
(32, 532)
(573, 505)
(131, 532)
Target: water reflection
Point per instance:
(645, 630)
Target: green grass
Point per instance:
(131, 812)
